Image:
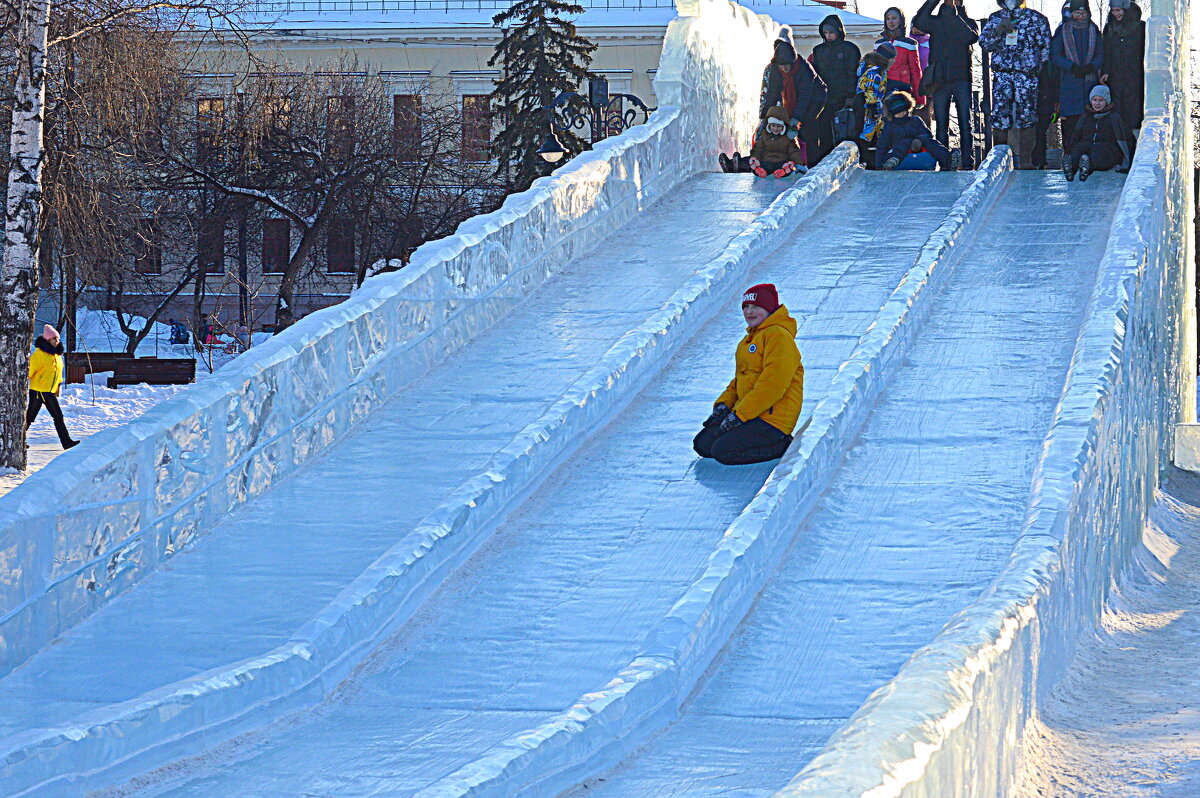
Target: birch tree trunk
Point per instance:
(19, 283)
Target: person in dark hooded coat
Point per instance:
(790, 82)
(1077, 52)
(952, 33)
(1124, 69)
(835, 61)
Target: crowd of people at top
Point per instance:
(1088, 81)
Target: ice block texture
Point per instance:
(114, 509)
(568, 587)
(951, 722)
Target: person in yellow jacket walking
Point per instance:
(752, 421)
(45, 382)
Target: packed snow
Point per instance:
(92, 406)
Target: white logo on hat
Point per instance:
(749, 297)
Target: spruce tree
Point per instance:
(542, 56)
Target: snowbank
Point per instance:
(111, 510)
(951, 721)
(605, 725)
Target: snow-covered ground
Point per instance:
(93, 406)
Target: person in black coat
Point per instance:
(1124, 69)
(904, 133)
(1101, 140)
(835, 61)
(789, 81)
(952, 33)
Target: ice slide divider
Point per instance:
(603, 726)
(250, 693)
(112, 510)
(952, 720)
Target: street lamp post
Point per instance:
(605, 115)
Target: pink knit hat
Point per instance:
(49, 332)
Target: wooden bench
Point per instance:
(153, 371)
(80, 364)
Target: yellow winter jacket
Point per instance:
(45, 369)
(769, 383)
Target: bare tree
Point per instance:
(36, 32)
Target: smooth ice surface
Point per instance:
(115, 508)
(949, 723)
(138, 496)
(251, 583)
(918, 518)
(1125, 719)
(566, 591)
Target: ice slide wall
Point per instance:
(113, 509)
(951, 721)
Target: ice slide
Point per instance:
(920, 515)
(248, 585)
(236, 556)
(568, 587)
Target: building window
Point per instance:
(147, 249)
(276, 245)
(210, 124)
(210, 246)
(476, 126)
(339, 126)
(339, 246)
(277, 119)
(406, 123)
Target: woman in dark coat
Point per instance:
(1124, 70)
(1077, 51)
(789, 81)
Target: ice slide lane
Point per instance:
(246, 586)
(566, 590)
(920, 516)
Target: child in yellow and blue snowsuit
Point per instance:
(872, 88)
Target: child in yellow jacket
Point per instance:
(45, 382)
(753, 419)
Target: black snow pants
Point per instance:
(39, 398)
(1104, 155)
(754, 441)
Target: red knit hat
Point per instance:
(764, 295)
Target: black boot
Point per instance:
(726, 162)
(1069, 167)
(1085, 167)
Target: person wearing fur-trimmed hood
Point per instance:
(46, 371)
(790, 82)
(753, 418)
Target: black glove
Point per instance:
(1006, 25)
(1079, 70)
(718, 415)
(730, 421)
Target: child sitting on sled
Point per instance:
(774, 152)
